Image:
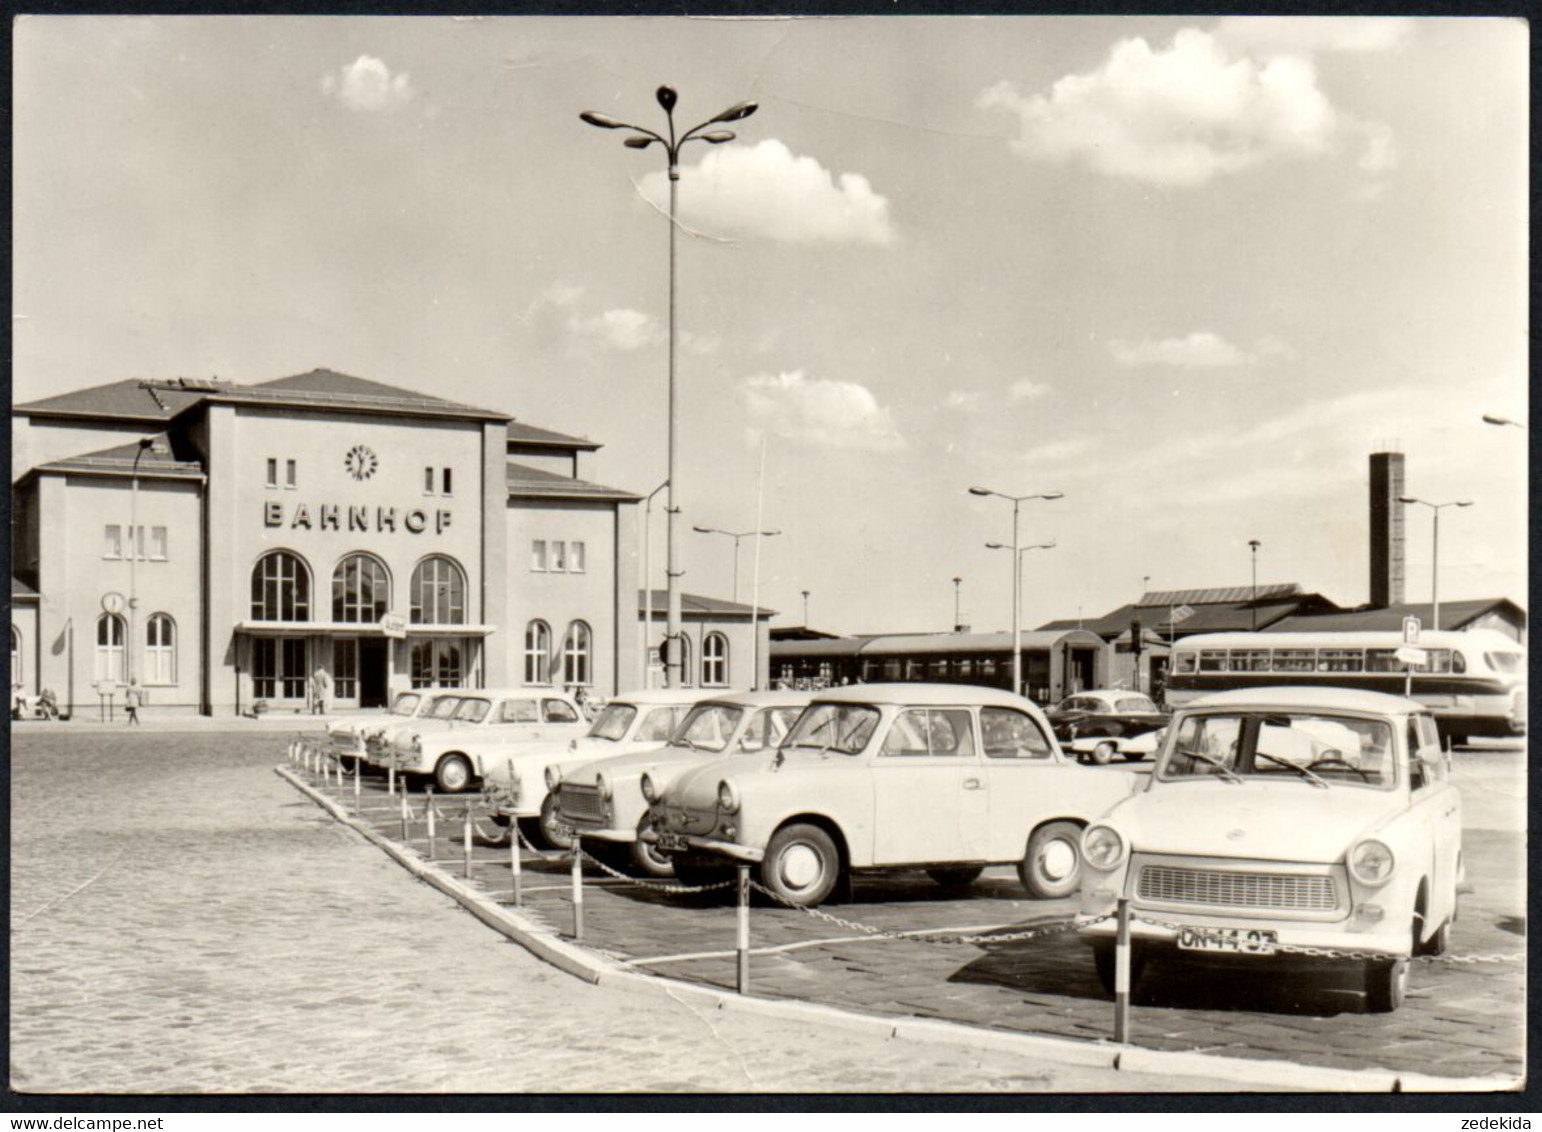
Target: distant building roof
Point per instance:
(1453, 615)
(1219, 595)
(696, 603)
(156, 462)
(800, 633)
(922, 644)
(1216, 613)
(529, 435)
(126, 400)
(525, 482)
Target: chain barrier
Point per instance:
(1348, 953)
(655, 886)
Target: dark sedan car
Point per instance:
(1100, 724)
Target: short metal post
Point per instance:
(391, 778)
(515, 862)
(358, 787)
(1122, 974)
(744, 929)
(578, 891)
(465, 839)
(405, 816)
(428, 804)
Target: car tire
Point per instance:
(1103, 753)
(1439, 943)
(801, 865)
(959, 878)
(1051, 867)
(645, 857)
(453, 775)
(1386, 985)
(553, 833)
(1105, 959)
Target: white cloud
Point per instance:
(1298, 34)
(831, 414)
(555, 315)
(967, 400)
(621, 329)
(1199, 350)
(367, 84)
(765, 190)
(1027, 389)
(1194, 110)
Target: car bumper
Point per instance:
(1352, 935)
(726, 849)
(599, 833)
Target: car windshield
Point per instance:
(1311, 747)
(1082, 703)
(613, 722)
(444, 707)
(767, 729)
(834, 727)
(406, 703)
(659, 724)
(1509, 663)
(473, 710)
(1135, 704)
(708, 727)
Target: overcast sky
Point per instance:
(1188, 272)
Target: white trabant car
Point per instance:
(608, 800)
(345, 737)
(515, 781)
(378, 734)
(448, 748)
(1281, 818)
(948, 778)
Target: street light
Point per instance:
(1490, 418)
(1253, 545)
(1017, 585)
(1435, 553)
(805, 608)
(642, 139)
(736, 536)
(648, 579)
(957, 617)
(1017, 643)
(145, 444)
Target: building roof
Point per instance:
(1223, 614)
(800, 633)
(1453, 615)
(127, 400)
(1219, 594)
(157, 462)
(531, 437)
(923, 644)
(816, 649)
(696, 603)
(525, 482)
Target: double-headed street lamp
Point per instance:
(736, 536)
(1253, 545)
(1435, 552)
(1017, 638)
(642, 139)
(1017, 586)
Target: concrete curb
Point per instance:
(597, 968)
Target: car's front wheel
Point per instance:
(1386, 985)
(1103, 753)
(553, 832)
(801, 865)
(646, 858)
(453, 774)
(1052, 866)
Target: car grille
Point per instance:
(344, 742)
(1224, 888)
(580, 804)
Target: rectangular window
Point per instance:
(158, 544)
(1250, 660)
(447, 481)
(575, 558)
(272, 472)
(1295, 660)
(559, 557)
(345, 662)
(113, 544)
(289, 473)
(428, 481)
(1212, 660)
(1340, 660)
(538, 555)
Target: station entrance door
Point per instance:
(373, 671)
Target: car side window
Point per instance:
(1424, 741)
(558, 711)
(768, 729)
(1009, 734)
(922, 731)
(659, 725)
(518, 711)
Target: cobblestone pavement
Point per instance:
(1459, 1021)
(183, 921)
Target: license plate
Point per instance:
(672, 840)
(1234, 941)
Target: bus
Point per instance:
(1473, 681)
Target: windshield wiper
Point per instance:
(1226, 771)
(1314, 779)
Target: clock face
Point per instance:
(361, 462)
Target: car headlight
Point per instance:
(1103, 847)
(553, 778)
(1371, 862)
(727, 797)
(602, 784)
(649, 791)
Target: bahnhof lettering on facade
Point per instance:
(218, 543)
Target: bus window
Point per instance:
(1250, 660)
(1382, 660)
(1212, 660)
(1458, 662)
(1188, 662)
(1507, 663)
(1295, 660)
(1340, 660)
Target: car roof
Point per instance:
(773, 697)
(922, 695)
(1344, 699)
(510, 693)
(648, 697)
(1108, 693)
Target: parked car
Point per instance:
(945, 778)
(1283, 818)
(345, 737)
(378, 734)
(608, 800)
(515, 781)
(1099, 724)
(447, 747)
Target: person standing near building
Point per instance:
(323, 682)
(131, 702)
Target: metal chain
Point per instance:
(1341, 953)
(655, 886)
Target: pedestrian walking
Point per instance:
(131, 701)
(323, 682)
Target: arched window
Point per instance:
(576, 649)
(438, 592)
(361, 590)
(110, 634)
(17, 676)
(687, 673)
(281, 588)
(160, 650)
(538, 653)
(714, 661)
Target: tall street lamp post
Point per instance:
(641, 139)
(1253, 545)
(1435, 551)
(134, 550)
(805, 608)
(958, 619)
(1017, 585)
(647, 586)
(736, 536)
(1017, 640)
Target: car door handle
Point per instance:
(972, 784)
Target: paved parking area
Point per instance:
(1461, 1019)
